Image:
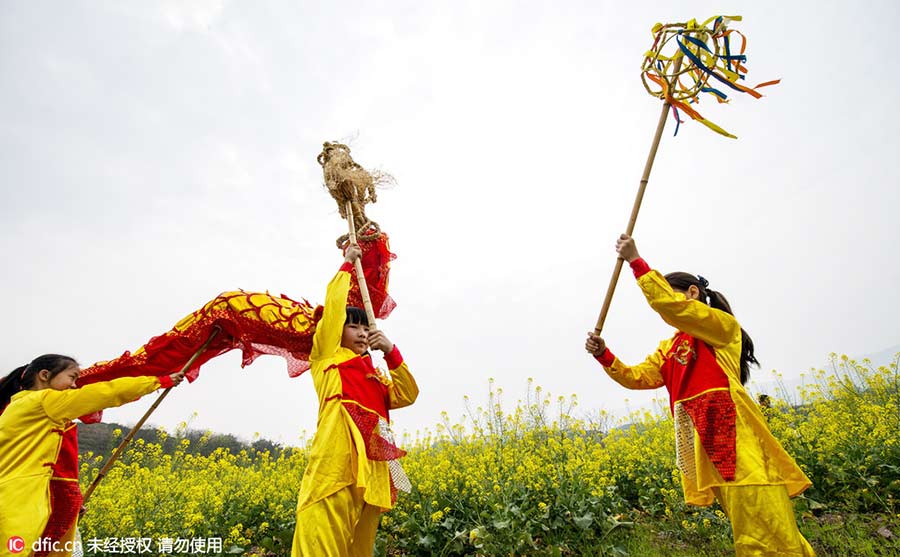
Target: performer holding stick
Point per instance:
(38, 402)
(724, 448)
(353, 473)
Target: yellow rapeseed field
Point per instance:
(542, 478)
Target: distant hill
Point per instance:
(98, 438)
(883, 357)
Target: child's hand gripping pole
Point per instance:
(360, 276)
(645, 177)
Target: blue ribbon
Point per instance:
(715, 92)
(693, 58)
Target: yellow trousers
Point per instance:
(762, 521)
(340, 525)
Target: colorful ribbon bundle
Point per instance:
(703, 53)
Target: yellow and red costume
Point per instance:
(353, 473)
(724, 448)
(65, 495)
(38, 442)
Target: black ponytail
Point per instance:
(23, 377)
(10, 385)
(683, 281)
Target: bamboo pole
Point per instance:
(134, 430)
(645, 177)
(360, 276)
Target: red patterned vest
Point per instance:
(699, 391)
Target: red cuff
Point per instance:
(639, 267)
(394, 358)
(346, 267)
(165, 381)
(607, 358)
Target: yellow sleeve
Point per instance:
(693, 317)
(645, 375)
(71, 403)
(403, 390)
(330, 328)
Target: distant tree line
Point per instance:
(99, 439)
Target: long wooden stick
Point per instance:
(360, 276)
(134, 430)
(645, 177)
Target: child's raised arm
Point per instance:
(329, 329)
(694, 317)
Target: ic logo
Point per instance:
(15, 544)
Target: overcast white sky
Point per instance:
(154, 154)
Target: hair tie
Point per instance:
(21, 377)
(703, 282)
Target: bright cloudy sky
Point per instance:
(154, 154)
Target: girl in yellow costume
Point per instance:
(353, 474)
(41, 400)
(724, 448)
